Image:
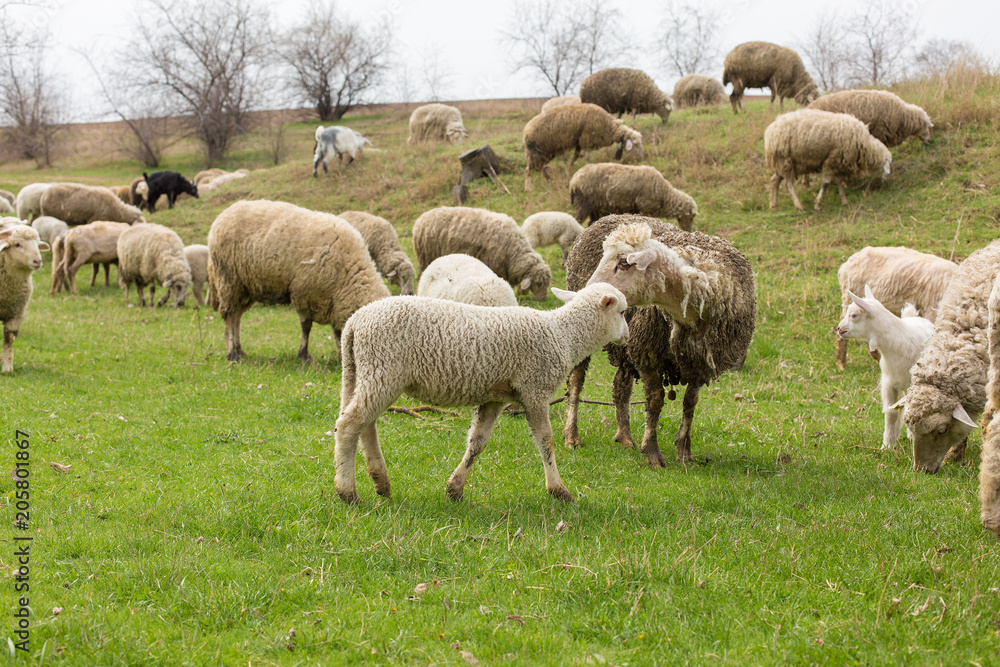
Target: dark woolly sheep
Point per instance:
(619, 90)
(696, 90)
(765, 65)
(698, 323)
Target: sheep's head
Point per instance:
(22, 248)
(455, 132)
(807, 94)
(882, 163)
(403, 275)
(537, 279)
(665, 106)
(936, 422)
(630, 142)
(924, 132)
(177, 288)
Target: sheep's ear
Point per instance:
(609, 300)
(900, 404)
(525, 284)
(641, 259)
(861, 303)
(3, 238)
(868, 292)
(628, 145)
(43, 246)
(961, 415)
(563, 295)
(391, 274)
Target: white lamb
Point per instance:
(547, 228)
(20, 256)
(899, 340)
(465, 279)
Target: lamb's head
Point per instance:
(21, 248)
(860, 316)
(536, 275)
(936, 422)
(606, 307)
(880, 165)
(402, 273)
(630, 142)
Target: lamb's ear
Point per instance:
(609, 300)
(563, 295)
(868, 292)
(525, 284)
(961, 415)
(4, 236)
(641, 259)
(43, 246)
(899, 405)
(861, 303)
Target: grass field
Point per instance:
(198, 524)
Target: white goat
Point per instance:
(899, 340)
(337, 142)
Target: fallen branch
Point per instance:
(414, 412)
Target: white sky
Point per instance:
(464, 36)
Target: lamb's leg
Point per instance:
(790, 186)
(374, 460)
(97, 271)
(574, 385)
(479, 434)
(536, 411)
(7, 358)
(232, 333)
(893, 418)
(653, 387)
(306, 323)
(621, 392)
(841, 353)
(773, 188)
(683, 442)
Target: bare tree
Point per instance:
(208, 62)
(937, 56)
(881, 40)
(827, 49)
(437, 75)
(562, 43)
(688, 38)
(336, 63)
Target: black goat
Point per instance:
(168, 183)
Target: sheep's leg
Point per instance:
(893, 418)
(7, 358)
(653, 387)
(843, 193)
(140, 287)
(683, 442)
(773, 188)
(790, 186)
(198, 295)
(841, 353)
(527, 179)
(357, 421)
(536, 411)
(124, 286)
(234, 352)
(574, 385)
(824, 181)
(97, 271)
(621, 392)
(374, 460)
(163, 300)
(336, 339)
(306, 323)
(152, 292)
(107, 274)
(734, 99)
(479, 434)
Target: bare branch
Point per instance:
(689, 39)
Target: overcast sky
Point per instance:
(463, 37)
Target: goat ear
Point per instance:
(868, 292)
(562, 294)
(961, 415)
(898, 405)
(525, 284)
(609, 300)
(861, 303)
(641, 259)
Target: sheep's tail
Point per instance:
(348, 367)
(909, 310)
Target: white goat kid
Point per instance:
(900, 341)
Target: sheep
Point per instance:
(169, 183)
(28, 201)
(546, 228)
(197, 258)
(836, 145)
(765, 65)
(949, 380)
(561, 101)
(465, 279)
(337, 142)
(94, 243)
(208, 175)
(601, 189)
(149, 254)
(457, 354)
(273, 252)
(889, 119)
(138, 191)
(581, 127)
(989, 465)
(78, 204)
(436, 122)
(701, 322)
(899, 340)
(493, 238)
(897, 275)
(8, 195)
(383, 246)
(208, 185)
(49, 228)
(20, 256)
(6, 206)
(697, 90)
(620, 91)
(123, 192)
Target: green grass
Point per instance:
(198, 523)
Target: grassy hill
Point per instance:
(197, 523)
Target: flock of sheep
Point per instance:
(669, 305)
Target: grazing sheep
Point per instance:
(899, 341)
(897, 276)
(197, 258)
(700, 325)
(493, 238)
(28, 201)
(455, 354)
(889, 119)
(989, 465)
(208, 185)
(337, 142)
(550, 227)
(561, 101)
(383, 246)
(49, 228)
(765, 65)
(94, 243)
(620, 91)
(465, 279)
(601, 189)
(949, 380)
(273, 252)
(20, 256)
(6, 206)
(123, 192)
(138, 191)
(836, 145)
(580, 127)
(81, 204)
(169, 183)
(436, 122)
(8, 195)
(698, 90)
(206, 175)
(149, 254)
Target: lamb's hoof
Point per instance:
(350, 497)
(562, 493)
(455, 492)
(656, 459)
(841, 366)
